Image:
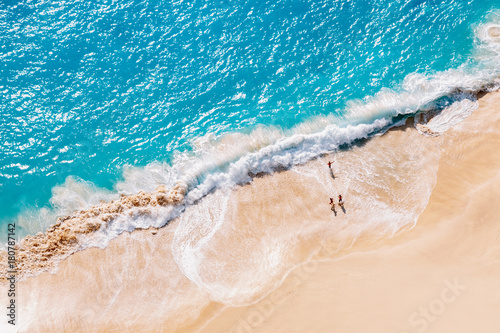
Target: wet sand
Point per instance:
(360, 276)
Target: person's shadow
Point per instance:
(331, 174)
(333, 210)
(343, 208)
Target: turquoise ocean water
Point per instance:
(120, 96)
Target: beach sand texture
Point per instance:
(415, 250)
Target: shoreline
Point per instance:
(117, 285)
(440, 276)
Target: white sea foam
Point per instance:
(422, 93)
(286, 152)
(146, 178)
(448, 117)
(73, 195)
(488, 42)
(155, 217)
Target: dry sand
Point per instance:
(441, 276)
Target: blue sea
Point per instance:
(102, 98)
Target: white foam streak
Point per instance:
(146, 178)
(294, 150)
(155, 217)
(420, 93)
(74, 195)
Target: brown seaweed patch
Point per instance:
(41, 252)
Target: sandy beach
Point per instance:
(415, 250)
